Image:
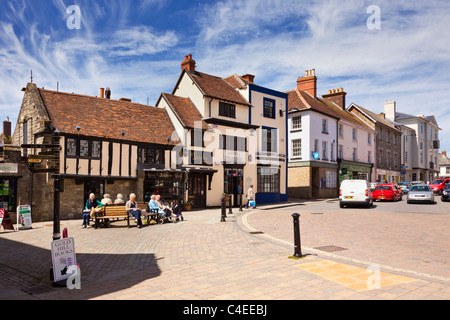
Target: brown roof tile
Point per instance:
(218, 88)
(106, 118)
(303, 101)
(185, 110)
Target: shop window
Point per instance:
(268, 180)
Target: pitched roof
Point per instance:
(216, 87)
(304, 101)
(237, 82)
(105, 118)
(443, 160)
(345, 115)
(185, 110)
(376, 117)
(403, 116)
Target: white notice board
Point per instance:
(63, 257)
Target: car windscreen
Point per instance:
(421, 188)
(383, 188)
(447, 187)
(437, 182)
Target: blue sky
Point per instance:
(135, 47)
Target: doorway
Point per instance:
(96, 187)
(234, 183)
(197, 189)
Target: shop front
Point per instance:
(350, 170)
(168, 184)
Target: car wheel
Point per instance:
(341, 205)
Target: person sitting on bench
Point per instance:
(132, 208)
(92, 205)
(153, 206)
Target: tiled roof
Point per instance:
(237, 82)
(107, 118)
(377, 117)
(443, 160)
(304, 101)
(185, 110)
(344, 114)
(216, 87)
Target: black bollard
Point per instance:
(298, 246)
(224, 208)
(240, 202)
(230, 211)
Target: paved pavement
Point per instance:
(245, 258)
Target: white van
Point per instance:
(355, 192)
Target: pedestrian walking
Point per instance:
(250, 195)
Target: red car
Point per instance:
(399, 190)
(438, 185)
(386, 192)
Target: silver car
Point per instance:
(420, 193)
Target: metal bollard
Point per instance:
(297, 242)
(240, 202)
(224, 208)
(230, 211)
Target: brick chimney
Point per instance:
(7, 131)
(308, 83)
(249, 77)
(108, 93)
(188, 63)
(444, 153)
(337, 96)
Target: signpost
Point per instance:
(24, 220)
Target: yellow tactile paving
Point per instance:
(355, 278)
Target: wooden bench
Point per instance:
(114, 211)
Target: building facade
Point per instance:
(231, 134)
(422, 143)
(107, 147)
(387, 144)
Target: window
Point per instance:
(331, 178)
(369, 138)
(84, 148)
(447, 170)
(269, 140)
(332, 152)
(421, 152)
(369, 157)
(296, 123)
(197, 138)
(227, 110)
(71, 147)
(269, 108)
(421, 128)
(297, 148)
(316, 145)
(341, 131)
(355, 155)
(380, 157)
(354, 134)
(268, 180)
(324, 126)
(232, 143)
(341, 152)
(151, 156)
(406, 156)
(388, 158)
(324, 150)
(96, 149)
(380, 135)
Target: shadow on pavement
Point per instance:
(27, 268)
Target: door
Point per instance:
(96, 187)
(234, 183)
(197, 190)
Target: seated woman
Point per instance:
(153, 206)
(119, 199)
(166, 209)
(92, 206)
(132, 208)
(106, 199)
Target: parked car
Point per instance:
(399, 190)
(438, 185)
(373, 185)
(386, 192)
(355, 192)
(446, 193)
(404, 186)
(420, 193)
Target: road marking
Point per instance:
(335, 256)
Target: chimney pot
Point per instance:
(444, 153)
(309, 83)
(102, 93)
(188, 63)
(108, 93)
(249, 77)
